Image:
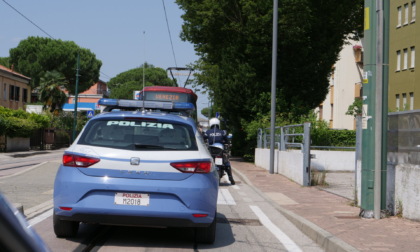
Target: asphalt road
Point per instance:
(246, 221)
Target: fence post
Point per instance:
(259, 138)
(307, 154)
(265, 139)
(282, 140)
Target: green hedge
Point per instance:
(330, 137)
(18, 123)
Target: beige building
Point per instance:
(345, 85)
(404, 36)
(15, 91)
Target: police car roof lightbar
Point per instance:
(163, 105)
(135, 104)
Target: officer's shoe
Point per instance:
(232, 182)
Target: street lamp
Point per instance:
(273, 83)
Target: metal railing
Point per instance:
(286, 137)
(289, 137)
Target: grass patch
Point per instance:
(318, 178)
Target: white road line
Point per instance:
(288, 243)
(235, 187)
(225, 198)
(40, 218)
(36, 210)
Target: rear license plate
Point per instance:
(132, 199)
(218, 161)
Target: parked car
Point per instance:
(137, 168)
(15, 232)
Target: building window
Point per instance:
(14, 93)
(399, 11)
(11, 93)
(405, 59)
(321, 112)
(411, 101)
(405, 14)
(404, 101)
(25, 95)
(332, 112)
(398, 60)
(5, 91)
(17, 93)
(397, 102)
(413, 57)
(413, 11)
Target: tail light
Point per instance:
(200, 215)
(193, 167)
(79, 161)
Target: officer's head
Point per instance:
(214, 123)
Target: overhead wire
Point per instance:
(37, 26)
(20, 13)
(169, 31)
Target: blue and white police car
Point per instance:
(137, 168)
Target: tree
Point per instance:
(206, 112)
(50, 91)
(4, 61)
(356, 108)
(123, 85)
(35, 56)
(125, 91)
(234, 39)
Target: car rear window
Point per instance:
(133, 134)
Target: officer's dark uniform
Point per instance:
(216, 135)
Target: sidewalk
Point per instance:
(20, 154)
(327, 218)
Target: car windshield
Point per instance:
(133, 134)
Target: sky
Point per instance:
(123, 34)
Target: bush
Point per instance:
(321, 135)
(18, 123)
(65, 120)
(18, 127)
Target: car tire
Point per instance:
(63, 228)
(206, 234)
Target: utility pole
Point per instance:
(144, 54)
(273, 84)
(375, 107)
(75, 96)
(378, 110)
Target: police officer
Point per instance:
(216, 135)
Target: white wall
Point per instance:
(34, 109)
(333, 160)
(407, 190)
(286, 163)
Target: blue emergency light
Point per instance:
(184, 106)
(161, 105)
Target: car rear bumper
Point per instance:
(78, 197)
(124, 220)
